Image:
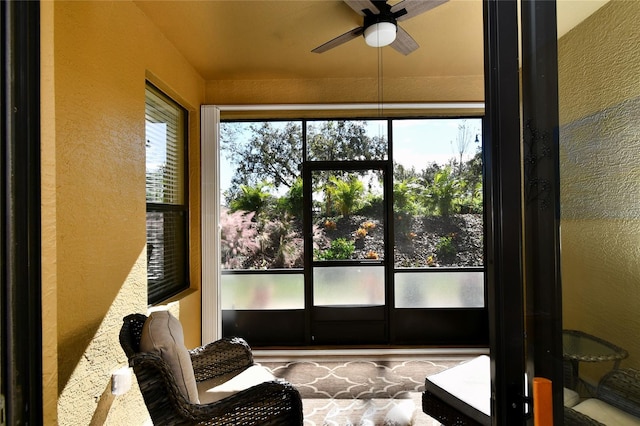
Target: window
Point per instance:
(358, 231)
(167, 196)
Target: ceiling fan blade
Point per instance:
(339, 40)
(415, 7)
(360, 5)
(404, 43)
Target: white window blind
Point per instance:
(167, 197)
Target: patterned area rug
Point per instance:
(366, 393)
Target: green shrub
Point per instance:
(445, 248)
(347, 194)
(372, 205)
(445, 189)
(251, 199)
(291, 203)
(340, 249)
(471, 202)
(406, 194)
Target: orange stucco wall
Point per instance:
(96, 58)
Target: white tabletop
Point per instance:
(465, 385)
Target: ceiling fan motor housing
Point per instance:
(380, 28)
(384, 15)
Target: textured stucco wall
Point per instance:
(48, 200)
(599, 90)
(96, 57)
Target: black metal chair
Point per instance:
(269, 403)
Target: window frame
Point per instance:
(171, 288)
(397, 314)
(210, 118)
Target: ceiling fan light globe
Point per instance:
(380, 34)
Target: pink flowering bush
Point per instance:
(238, 235)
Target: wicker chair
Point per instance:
(574, 418)
(621, 388)
(616, 400)
(269, 403)
(449, 416)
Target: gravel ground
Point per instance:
(417, 241)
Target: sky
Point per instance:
(417, 143)
(156, 136)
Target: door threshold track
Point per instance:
(432, 354)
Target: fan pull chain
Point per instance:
(380, 83)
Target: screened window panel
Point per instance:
(336, 196)
(166, 195)
(260, 170)
(347, 140)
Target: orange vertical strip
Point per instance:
(542, 402)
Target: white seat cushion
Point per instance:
(571, 397)
(252, 376)
(467, 387)
(605, 413)
(162, 334)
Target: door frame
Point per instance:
(540, 112)
(505, 238)
(525, 320)
(333, 324)
(21, 294)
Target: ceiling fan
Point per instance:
(380, 26)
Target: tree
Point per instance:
(251, 198)
(444, 190)
(348, 194)
(272, 154)
(406, 195)
(472, 172)
(428, 174)
(471, 200)
(463, 140)
(344, 140)
(291, 203)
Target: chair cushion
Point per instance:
(162, 334)
(605, 413)
(571, 397)
(209, 392)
